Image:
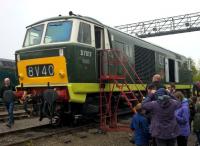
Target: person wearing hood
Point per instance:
(164, 126)
(183, 118)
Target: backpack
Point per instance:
(196, 122)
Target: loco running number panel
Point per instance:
(40, 70)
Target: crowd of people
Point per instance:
(165, 116)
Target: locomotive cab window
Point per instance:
(33, 35)
(58, 31)
(84, 34)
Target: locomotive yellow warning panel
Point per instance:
(40, 71)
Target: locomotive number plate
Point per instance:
(40, 70)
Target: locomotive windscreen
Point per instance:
(144, 63)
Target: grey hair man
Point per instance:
(7, 93)
(156, 80)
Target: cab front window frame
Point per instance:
(29, 39)
(67, 35)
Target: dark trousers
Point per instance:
(190, 122)
(198, 136)
(165, 142)
(154, 141)
(10, 107)
(182, 140)
(26, 107)
(195, 90)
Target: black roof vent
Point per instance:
(71, 13)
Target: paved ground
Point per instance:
(23, 124)
(108, 139)
(92, 137)
(5, 113)
(84, 139)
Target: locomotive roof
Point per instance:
(92, 20)
(164, 50)
(10, 60)
(85, 18)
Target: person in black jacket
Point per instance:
(8, 96)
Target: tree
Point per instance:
(195, 71)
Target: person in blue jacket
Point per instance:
(140, 126)
(183, 118)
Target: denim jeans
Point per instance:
(10, 107)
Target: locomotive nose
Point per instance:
(41, 71)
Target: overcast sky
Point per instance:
(17, 14)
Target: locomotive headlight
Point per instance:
(21, 76)
(18, 57)
(62, 74)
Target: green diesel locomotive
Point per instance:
(8, 70)
(62, 53)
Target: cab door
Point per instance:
(99, 45)
(99, 37)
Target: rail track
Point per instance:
(22, 137)
(26, 135)
(19, 112)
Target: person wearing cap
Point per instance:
(6, 92)
(140, 126)
(164, 126)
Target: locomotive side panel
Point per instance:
(81, 64)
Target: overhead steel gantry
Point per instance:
(163, 26)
